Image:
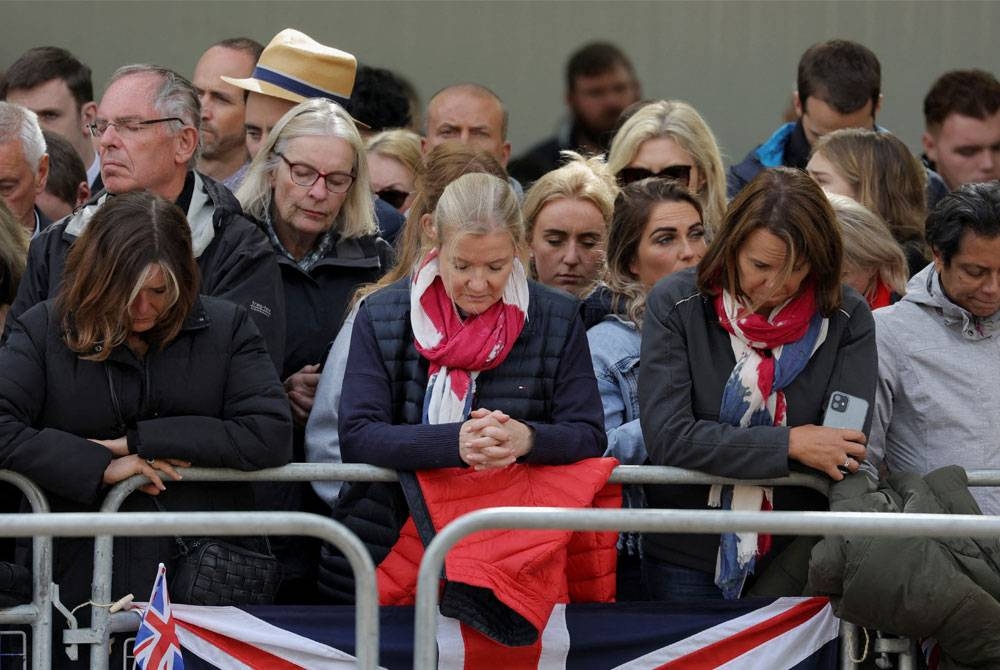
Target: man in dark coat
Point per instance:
(147, 132)
(600, 84)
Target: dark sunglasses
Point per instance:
(393, 197)
(679, 173)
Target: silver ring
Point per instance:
(847, 463)
(150, 460)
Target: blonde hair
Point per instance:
(316, 117)
(13, 256)
(869, 244)
(400, 145)
(478, 204)
(580, 179)
(886, 177)
(682, 123)
(445, 163)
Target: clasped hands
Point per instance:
(123, 465)
(491, 439)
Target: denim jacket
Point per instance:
(614, 349)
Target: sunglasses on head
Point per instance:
(679, 173)
(394, 197)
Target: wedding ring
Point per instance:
(847, 463)
(150, 460)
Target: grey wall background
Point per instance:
(733, 60)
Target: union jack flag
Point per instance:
(156, 643)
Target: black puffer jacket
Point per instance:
(211, 397)
(945, 588)
(234, 256)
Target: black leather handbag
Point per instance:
(209, 571)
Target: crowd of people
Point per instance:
(272, 262)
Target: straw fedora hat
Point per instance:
(295, 67)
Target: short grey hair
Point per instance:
(176, 96)
(20, 123)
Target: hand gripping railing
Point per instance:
(142, 524)
(100, 623)
(667, 521)
(39, 613)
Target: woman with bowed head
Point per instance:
(656, 231)
(129, 371)
(465, 365)
(308, 188)
(445, 163)
(876, 169)
(566, 213)
(874, 263)
(670, 139)
(739, 359)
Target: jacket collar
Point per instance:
(197, 319)
(199, 213)
(925, 289)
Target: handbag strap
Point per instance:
(181, 544)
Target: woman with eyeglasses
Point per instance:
(670, 139)
(394, 163)
(308, 188)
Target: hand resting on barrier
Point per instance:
(827, 449)
(124, 467)
(491, 439)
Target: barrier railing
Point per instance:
(222, 523)
(666, 521)
(37, 614)
(101, 625)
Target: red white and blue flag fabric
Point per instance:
(789, 633)
(156, 643)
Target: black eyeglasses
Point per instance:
(393, 196)
(306, 175)
(126, 126)
(679, 173)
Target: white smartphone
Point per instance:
(845, 411)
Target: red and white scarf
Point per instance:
(770, 352)
(458, 350)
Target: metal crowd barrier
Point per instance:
(38, 613)
(101, 625)
(666, 521)
(141, 524)
(101, 622)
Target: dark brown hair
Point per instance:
(107, 265)
(972, 93)
(633, 207)
(788, 204)
(844, 74)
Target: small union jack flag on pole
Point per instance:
(156, 644)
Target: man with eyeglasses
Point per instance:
(146, 134)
